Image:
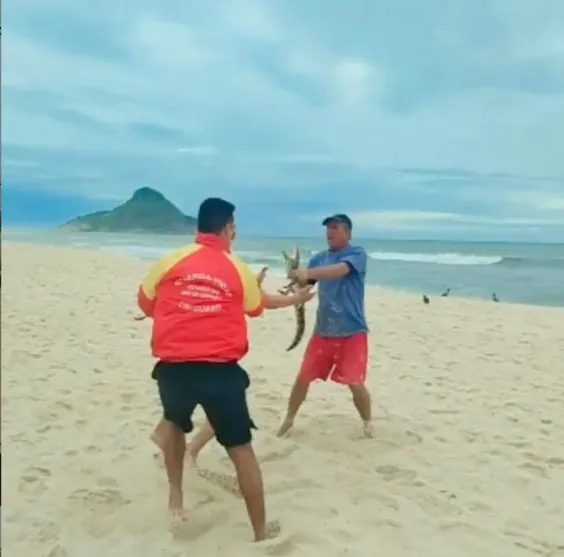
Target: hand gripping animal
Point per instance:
(292, 263)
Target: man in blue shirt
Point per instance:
(338, 349)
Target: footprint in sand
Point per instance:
(231, 485)
(46, 531)
(100, 499)
(57, 551)
(439, 506)
(396, 438)
(292, 484)
(33, 480)
(534, 469)
(190, 528)
(128, 397)
(393, 473)
(225, 481)
(278, 542)
(279, 454)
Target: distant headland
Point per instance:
(147, 211)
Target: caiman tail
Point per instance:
(300, 327)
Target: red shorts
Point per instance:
(341, 359)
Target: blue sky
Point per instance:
(442, 118)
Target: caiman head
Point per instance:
(292, 262)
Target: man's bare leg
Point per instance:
(174, 448)
(160, 433)
(297, 398)
(363, 405)
(193, 448)
(199, 441)
(250, 483)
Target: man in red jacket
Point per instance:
(199, 297)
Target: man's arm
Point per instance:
(253, 302)
(355, 261)
(328, 272)
(276, 301)
(257, 300)
(147, 291)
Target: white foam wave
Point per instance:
(142, 252)
(277, 272)
(436, 258)
(249, 255)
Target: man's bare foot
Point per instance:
(175, 502)
(368, 429)
(191, 456)
(271, 530)
(262, 534)
(286, 426)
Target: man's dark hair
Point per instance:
(214, 214)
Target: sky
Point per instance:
(436, 119)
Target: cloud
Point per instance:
(440, 108)
(421, 220)
(198, 150)
(539, 201)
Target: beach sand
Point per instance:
(467, 459)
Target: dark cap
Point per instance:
(340, 218)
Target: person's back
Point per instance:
(203, 295)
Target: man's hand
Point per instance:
(304, 295)
(299, 275)
(262, 275)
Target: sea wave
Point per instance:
(259, 258)
(437, 258)
(136, 250)
(277, 272)
(537, 262)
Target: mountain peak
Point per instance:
(147, 210)
(147, 194)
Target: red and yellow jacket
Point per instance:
(198, 297)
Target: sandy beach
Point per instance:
(467, 460)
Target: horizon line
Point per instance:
(54, 228)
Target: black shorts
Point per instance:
(220, 388)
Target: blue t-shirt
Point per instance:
(341, 301)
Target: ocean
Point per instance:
(521, 273)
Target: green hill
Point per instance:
(147, 211)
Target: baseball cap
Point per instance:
(340, 217)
